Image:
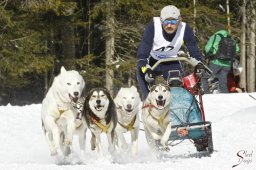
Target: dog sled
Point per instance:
(186, 109)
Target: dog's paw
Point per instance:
(134, 152)
(166, 149)
(124, 146)
(111, 149)
(163, 142)
(68, 142)
(54, 152)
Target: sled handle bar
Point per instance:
(192, 61)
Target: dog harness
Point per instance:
(100, 125)
(160, 120)
(129, 127)
(61, 111)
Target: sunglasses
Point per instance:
(172, 22)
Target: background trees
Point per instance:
(100, 38)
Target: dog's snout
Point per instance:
(98, 101)
(76, 93)
(129, 106)
(160, 97)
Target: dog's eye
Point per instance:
(164, 90)
(69, 84)
(93, 96)
(156, 91)
(133, 97)
(102, 95)
(78, 83)
(124, 97)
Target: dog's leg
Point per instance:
(111, 142)
(165, 137)
(70, 130)
(93, 142)
(81, 131)
(98, 144)
(49, 140)
(55, 142)
(134, 137)
(121, 140)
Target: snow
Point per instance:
(233, 117)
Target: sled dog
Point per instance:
(155, 114)
(128, 105)
(59, 114)
(100, 115)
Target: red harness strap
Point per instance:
(148, 105)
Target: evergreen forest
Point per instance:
(100, 38)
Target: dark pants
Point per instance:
(161, 70)
(219, 72)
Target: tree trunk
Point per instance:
(243, 48)
(251, 69)
(68, 41)
(194, 26)
(228, 16)
(110, 42)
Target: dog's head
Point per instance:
(70, 85)
(128, 99)
(159, 96)
(99, 104)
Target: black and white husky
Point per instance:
(100, 114)
(155, 114)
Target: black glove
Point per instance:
(149, 76)
(199, 70)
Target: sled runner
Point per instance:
(186, 108)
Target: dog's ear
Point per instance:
(167, 87)
(87, 110)
(134, 88)
(160, 80)
(63, 70)
(152, 88)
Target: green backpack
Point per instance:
(223, 48)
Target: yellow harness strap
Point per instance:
(161, 118)
(129, 127)
(61, 111)
(101, 126)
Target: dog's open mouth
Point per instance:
(160, 103)
(128, 110)
(99, 107)
(73, 99)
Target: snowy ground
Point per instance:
(233, 116)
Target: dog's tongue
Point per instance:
(160, 102)
(73, 99)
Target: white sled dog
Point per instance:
(100, 115)
(155, 114)
(59, 114)
(128, 105)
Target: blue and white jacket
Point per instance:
(159, 44)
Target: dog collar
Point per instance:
(129, 127)
(101, 126)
